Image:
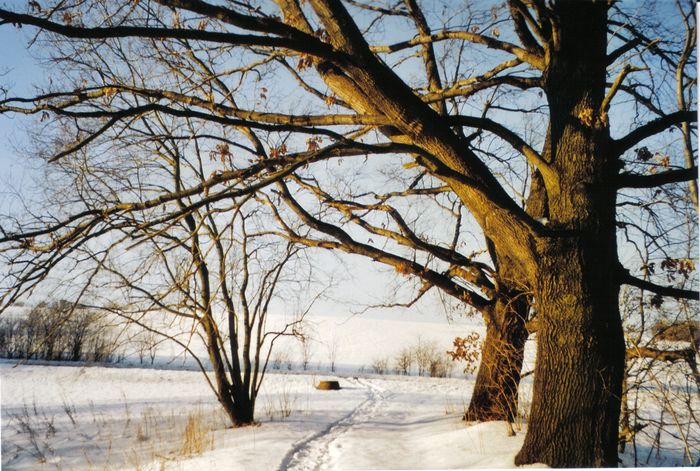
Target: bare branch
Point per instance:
(630, 180)
(524, 55)
(651, 128)
(301, 42)
(626, 277)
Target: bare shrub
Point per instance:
(70, 411)
(440, 366)
(430, 360)
(332, 353)
(422, 353)
(269, 408)
(305, 354)
(147, 343)
(404, 361)
(287, 402)
(380, 366)
(306, 347)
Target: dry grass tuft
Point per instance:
(196, 436)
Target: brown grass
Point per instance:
(196, 436)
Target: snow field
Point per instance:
(81, 417)
(137, 419)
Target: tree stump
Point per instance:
(328, 385)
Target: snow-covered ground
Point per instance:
(62, 417)
(86, 417)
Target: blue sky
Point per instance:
(22, 73)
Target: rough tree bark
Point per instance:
(580, 355)
(580, 363)
(495, 394)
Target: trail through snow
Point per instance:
(317, 451)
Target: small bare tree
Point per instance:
(147, 343)
(204, 276)
(305, 336)
(404, 361)
(219, 283)
(332, 347)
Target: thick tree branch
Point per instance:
(469, 87)
(83, 221)
(620, 51)
(524, 55)
(629, 180)
(651, 128)
(471, 271)
(626, 70)
(396, 11)
(74, 98)
(523, 21)
(188, 113)
(431, 68)
(679, 293)
(347, 244)
(419, 124)
(303, 43)
(686, 354)
(227, 15)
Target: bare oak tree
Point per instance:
(291, 87)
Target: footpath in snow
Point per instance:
(324, 449)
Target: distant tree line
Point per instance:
(56, 331)
(422, 358)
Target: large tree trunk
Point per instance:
(580, 355)
(495, 395)
(239, 411)
(235, 400)
(580, 362)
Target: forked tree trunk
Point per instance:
(242, 410)
(235, 400)
(495, 395)
(232, 395)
